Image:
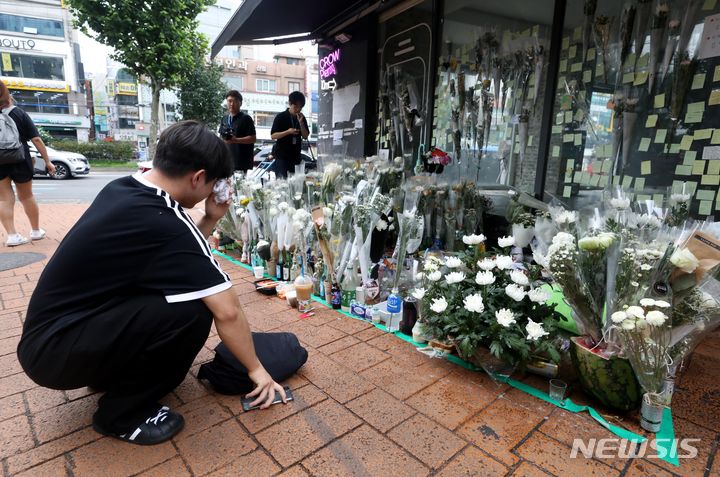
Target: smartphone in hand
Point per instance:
(278, 399)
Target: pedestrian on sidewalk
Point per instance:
(20, 173)
(288, 131)
(238, 131)
(127, 301)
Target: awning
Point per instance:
(294, 21)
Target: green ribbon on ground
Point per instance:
(665, 439)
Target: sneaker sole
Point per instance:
(38, 238)
(103, 432)
(17, 244)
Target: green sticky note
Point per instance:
(686, 142)
(572, 52)
(577, 33)
(587, 76)
(576, 67)
(689, 158)
(683, 170)
(674, 148)
(578, 139)
(559, 118)
(715, 137)
(651, 121)
(660, 136)
(599, 69)
(644, 144)
(701, 134)
(698, 81)
(645, 168)
(659, 101)
(571, 164)
(716, 75)
(590, 54)
(566, 191)
(568, 116)
(616, 180)
(639, 183)
(563, 66)
(643, 61)
(705, 207)
(579, 115)
(694, 117)
(711, 180)
(698, 167)
(628, 77)
(556, 151)
(606, 165)
(713, 167)
(568, 137)
(557, 130)
(566, 43)
(702, 194)
(595, 180)
(640, 78)
(697, 107)
(627, 181)
(709, 4)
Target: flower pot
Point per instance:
(610, 380)
(523, 235)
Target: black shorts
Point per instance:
(19, 173)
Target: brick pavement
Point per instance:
(366, 404)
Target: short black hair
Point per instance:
(296, 97)
(188, 146)
(235, 94)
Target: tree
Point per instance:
(202, 93)
(155, 39)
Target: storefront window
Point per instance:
(41, 101)
(490, 88)
(35, 26)
(18, 65)
(637, 103)
(264, 120)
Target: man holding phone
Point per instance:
(288, 131)
(135, 331)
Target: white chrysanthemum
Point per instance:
(485, 278)
(505, 317)
(655, 318)
(473, 239)
(538, 295)
(454, 277)
(519, 277)
(282, 206)
(635, 312)
(646, 302)
(628, 325)
(645, 267)
(685, 260)
(256, 186)
(662, 304)
(535, 330)
(486, 264)
(620, 203)
(453, 262)
(434, 276)
(504, 262)
(419, 293)
(563, 238)
(273, 211)
(515, 292)
(618, 317)
(566, 217)
(508, 241)
(381, 225)
(679, 198)
(439, 305)
(474, 303)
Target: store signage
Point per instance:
(37, 85)
(129, 89)
(328, 85)
(328, 64)
(17, 43)
(231, 63)
(261, 69)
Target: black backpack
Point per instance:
(281, 354)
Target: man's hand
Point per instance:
(216, 211)
(265, 388)
(292, 131)
(50, 167)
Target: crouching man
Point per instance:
(127, 301)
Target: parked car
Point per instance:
(264, 155)
(67, 164)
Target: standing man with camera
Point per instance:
(288, 130)
(238, 131)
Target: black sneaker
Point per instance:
(157, 428)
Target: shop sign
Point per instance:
(37, 85)
(261, 69)
(17, 43)
(129, 89)
(72, 121)
(328, 64)
(328, 85)
(130, 112)
(231, 63)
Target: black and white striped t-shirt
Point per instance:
(134, 239)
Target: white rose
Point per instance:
(453, 262)
(635, 312)
(535, 330)
(508, 241)
(685, 260)
(504, 262)
(505, 317)
(655, 318)
(538, 295)
(439, 305)
(515, 292)
(486, 264)
(618, 317)
(419, 293)
(454, 277)
(473, 239)
(474, 303)
(434, 276)
(519, 277)
(484, 278)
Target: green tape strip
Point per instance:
(665, 438)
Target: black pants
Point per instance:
(282, 168)
(137, 349)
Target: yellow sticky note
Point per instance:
(606, 165)
(674, 148)
(557, 130)
(578, 139)
(686, 142)
(659, 101)
(645, 168)
(651, 121)
(683, 170)
(690, 157)
(701, 134)
(698, 81)
(568, 137)
(716, 75)
(639, 184)
(696, 107)
(590, 54)
(714, 98)
(563, 66)
(698, 167)
(660, 136)
(587, 76)
(644, 144)
(694, 117)
(704, 194)
(566, 43)
(709, 4)
(712, 180)
(556, 151)
(576, 67)
(643, 61)
(572, 52)
(705, 207)
(713, 167)
(568, 116)
(628, 77)
(715, 137)
(640, 78)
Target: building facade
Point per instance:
(40, 63)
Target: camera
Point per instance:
(226, 132)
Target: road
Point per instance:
(80, 190)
